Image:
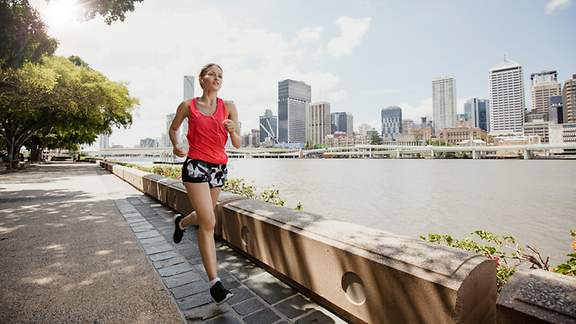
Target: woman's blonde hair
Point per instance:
(205, 70)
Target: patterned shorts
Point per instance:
(197, 171)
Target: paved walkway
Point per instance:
(78, 244)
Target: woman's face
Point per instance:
(212, 79)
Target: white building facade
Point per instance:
(507, 101)
(444, 103)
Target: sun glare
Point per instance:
(60, 13)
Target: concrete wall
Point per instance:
(365, 275)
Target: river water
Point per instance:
(532, 200)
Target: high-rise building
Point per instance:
(268, 127)
(187, 94)
(444, 103)
(407, 126)
(478, 111)
(349, 124)
(391, 118)
(507, 103)
(148, 142)
(556, 112)
(339, 122)
(364, 128)
(293, 99)
(104, 141)
(544, 85)
(169, 119)
(569, 100)
(188, 87)
(318, 123)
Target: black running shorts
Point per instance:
(197, 171)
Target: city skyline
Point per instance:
(348, 55)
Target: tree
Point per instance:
(22, 35)
(375, 139)
(60, 103)
(111, 10)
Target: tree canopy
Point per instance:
(111, 10)
(60, 102)
(22, 35)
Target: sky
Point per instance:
(360, 56)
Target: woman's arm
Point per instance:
(181, 114)
(231, 124)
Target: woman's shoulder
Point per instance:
(229, 104)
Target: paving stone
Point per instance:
(163, 256)
(147, 234)
(154, 239)
(318, 317)
(142, 228)
(169, 262)
(248, 306)
(175, 269)
(246, 272)
(192, 301)
(240, 294)
(295, 306)
(181, 279)
(269, 288)
(206, 312)
(265, 316)
(159, 248)
(281, 322)
(135, 221)
(189, 289)
(224, 319)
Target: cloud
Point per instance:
(309, 34)
(352, 31)
(553, 5)
(154, 57)
(414, 112)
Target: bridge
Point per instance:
(164, 154)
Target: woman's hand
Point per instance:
(178, 152)
(230, 125)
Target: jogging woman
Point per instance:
(210, 121)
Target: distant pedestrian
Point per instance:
(210, 121)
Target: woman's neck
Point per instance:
(209, 97)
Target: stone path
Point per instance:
(77, 244)
(258, 296)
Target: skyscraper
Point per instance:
(477, 110)
(544, 85)
(556, 110)
(507, 103)
(349, 124)
(338, 122)
(318, 122)
(391, 118)
(269, 127)
(569, 100)
(188, 87)
(293, 98)
(444, 103)
(168, 121)
(104, 141)
(188, 93)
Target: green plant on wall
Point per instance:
(504, 250)
(569, 267)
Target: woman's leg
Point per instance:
(192, 218)
(200, 196)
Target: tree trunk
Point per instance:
(13, 151)
(35, 150)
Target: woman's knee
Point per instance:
(207, 223)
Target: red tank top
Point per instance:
(207, 135)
